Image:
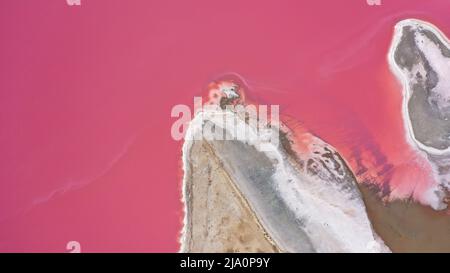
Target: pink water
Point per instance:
(86, 93)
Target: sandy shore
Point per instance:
(218, 217)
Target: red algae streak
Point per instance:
(86, 94)
(372, 137)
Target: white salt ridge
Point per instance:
(405, 80)
(435, 193)
(334, 219)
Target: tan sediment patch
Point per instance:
(406, 226)
(220, 220)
